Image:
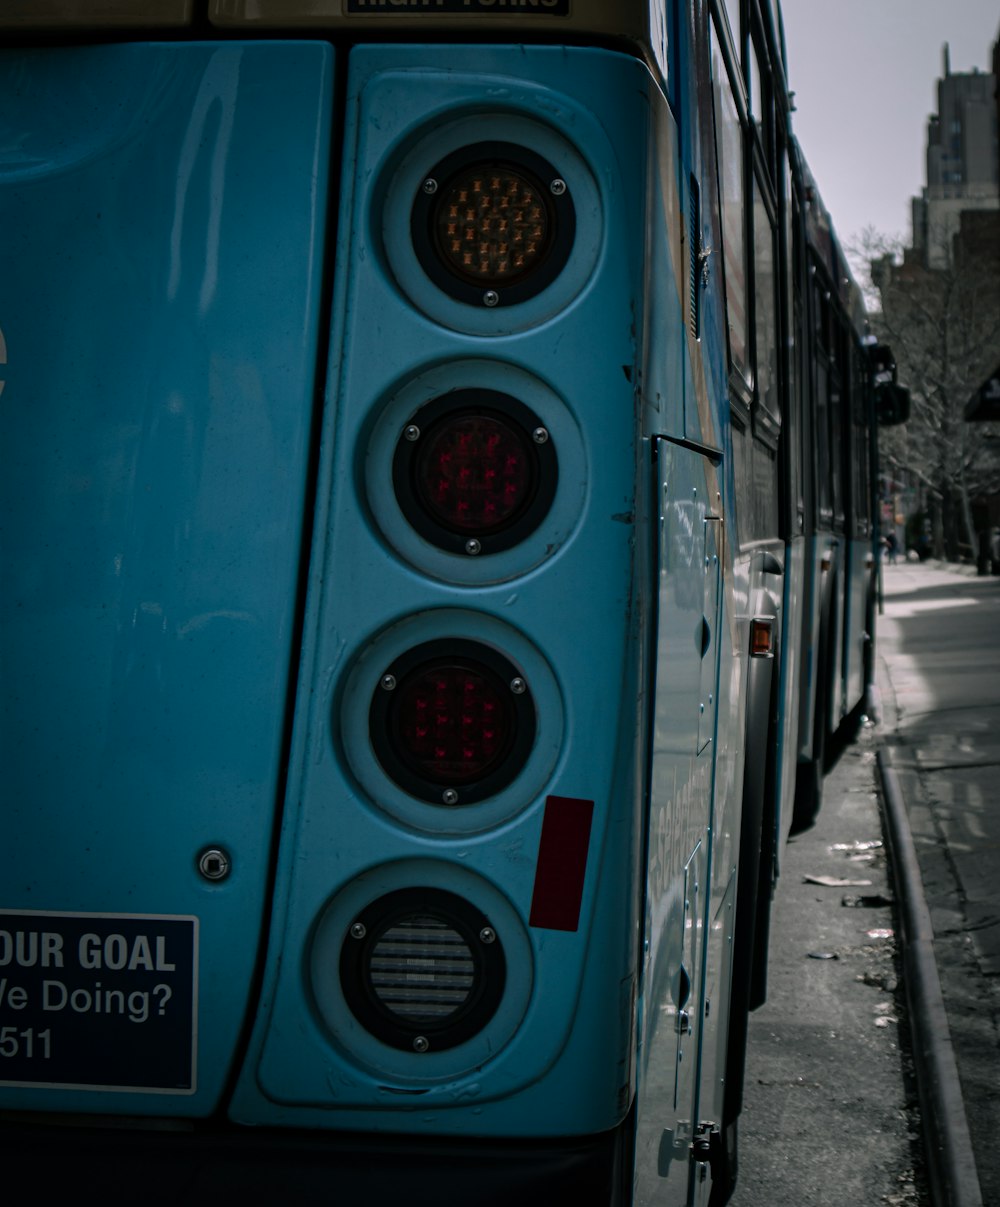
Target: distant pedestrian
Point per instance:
(891, 545)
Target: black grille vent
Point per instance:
(694, 242)
(422, 969)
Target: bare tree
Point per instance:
(944, 326)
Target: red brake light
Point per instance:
(475, 471)
(452, 722)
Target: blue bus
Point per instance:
(434, 438)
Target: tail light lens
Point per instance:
(493, 224)
(452, 722)
(422, 969)
(762, 637)
(475, 471)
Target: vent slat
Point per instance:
(421, 968)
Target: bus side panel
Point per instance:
(679, 841)
(161, 213)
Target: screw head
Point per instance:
(472, 547)
(214, 864)
(411, 432)
(518, 686)
(430, 186)
(449, 796)
(540, 435)
(421, 1043)
(387, 683)
(491, 298)
(358, 930)
(557, 187)
(487, 935)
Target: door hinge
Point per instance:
(709, 1149)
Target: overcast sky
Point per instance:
(865, 74)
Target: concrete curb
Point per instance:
(952, 1174)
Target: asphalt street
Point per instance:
(832, 1113)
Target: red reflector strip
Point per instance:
(562, 863)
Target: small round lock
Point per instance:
(214, 864)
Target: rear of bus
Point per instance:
(325, 622)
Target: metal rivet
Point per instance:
(411, 432)
(540, 435)
(358, 930)
(472, 547)
(430, 186)
(491, 298)
(420, 1043)
(449, 796)
(214, 863)
(558, 187)
(388, 683)
(518, 687)
(487, 935)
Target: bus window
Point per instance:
(860, 476)
(765, 312)
(729, 136)
(838, 405)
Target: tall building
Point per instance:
(962, 159)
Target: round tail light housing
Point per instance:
(422, 969)
(475, 471)
(493, 224)
(452, 722)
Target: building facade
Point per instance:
(962, 159)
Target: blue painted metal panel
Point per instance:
(561, 605)
(162, 210)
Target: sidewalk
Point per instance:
(939, 673)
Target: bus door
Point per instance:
(681, 779)
(165, 203)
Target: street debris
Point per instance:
(836, 882)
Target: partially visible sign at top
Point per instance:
(496, 8)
